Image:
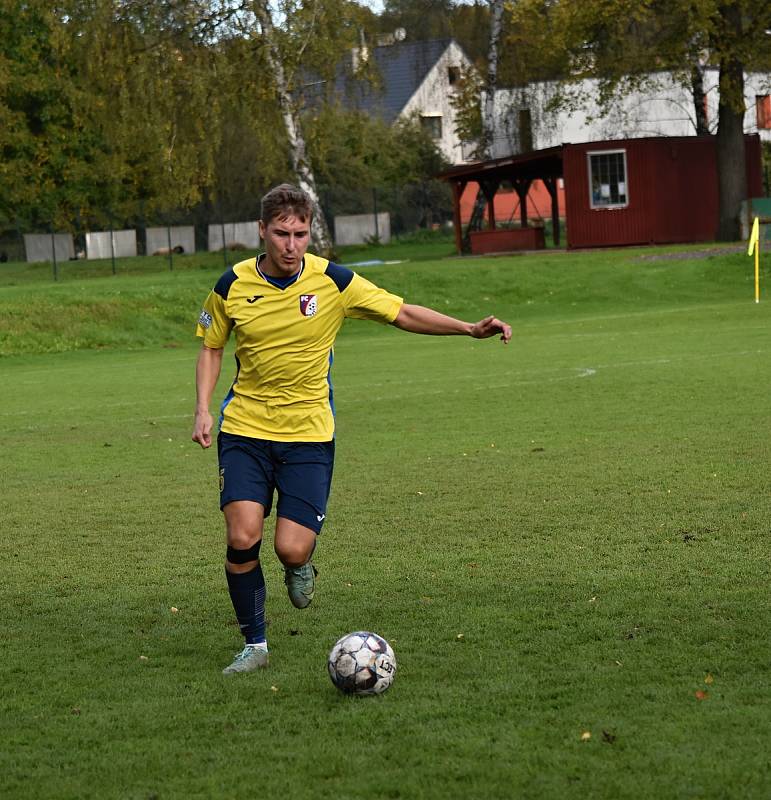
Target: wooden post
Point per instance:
(457, 192)
(490, 188)
(522, 185)
(551, 185)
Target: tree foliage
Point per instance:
(47, 139)
(133, 110)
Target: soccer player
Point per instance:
(277, 427)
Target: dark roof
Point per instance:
(400, 68)
(545, 163)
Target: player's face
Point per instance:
(286, 240)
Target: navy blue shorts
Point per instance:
(251, 469)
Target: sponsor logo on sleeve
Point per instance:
(309, 305)
(205, 320)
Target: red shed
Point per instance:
(618, 192)
(647, 191)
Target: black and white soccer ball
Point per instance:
(362, 663)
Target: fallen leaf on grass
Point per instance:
(143, 658)
(174, 609)
(709, 680)
(586, 735)
(75, 711)
(274, 688)
(459, 637)
(700, 695)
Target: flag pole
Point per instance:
(757, 272)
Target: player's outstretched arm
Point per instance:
(207, 370)
(419, 319)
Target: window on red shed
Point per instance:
(607, 179)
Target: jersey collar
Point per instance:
(279, 283)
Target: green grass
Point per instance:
(586, 507)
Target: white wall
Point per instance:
(358, 228)
(432, 98)
(664, 108)
(124, 244)
(181, 236)
(246, 234)
(41, 247)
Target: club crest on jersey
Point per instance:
(309, 304)
(204, 320)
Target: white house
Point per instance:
(524, 119)
(415, 78)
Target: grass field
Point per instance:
(566, 541)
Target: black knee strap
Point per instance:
(244, 556)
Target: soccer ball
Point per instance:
(362, 663)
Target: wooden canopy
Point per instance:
(518, 170)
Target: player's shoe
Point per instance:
(252, 657)
(301, 584)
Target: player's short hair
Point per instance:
(286, 200)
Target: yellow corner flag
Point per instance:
(754, 237)
(755, 245)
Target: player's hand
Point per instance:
(490, 326)
(202, 428)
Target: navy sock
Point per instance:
(247, 593)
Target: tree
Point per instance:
(491, 81)
(421, 19)
(49, 149)
(300, 163)
(487, 115)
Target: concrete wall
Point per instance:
(38, 247)
(243, 233)
(357, 228)
(98, 244)
(181, 236)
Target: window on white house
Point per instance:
(607, 179)
(432, 125)
(453, 75)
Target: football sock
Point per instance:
(247, 593)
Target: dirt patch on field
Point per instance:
(691, 254)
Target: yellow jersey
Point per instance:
(284, 336)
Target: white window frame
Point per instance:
(603, 206)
